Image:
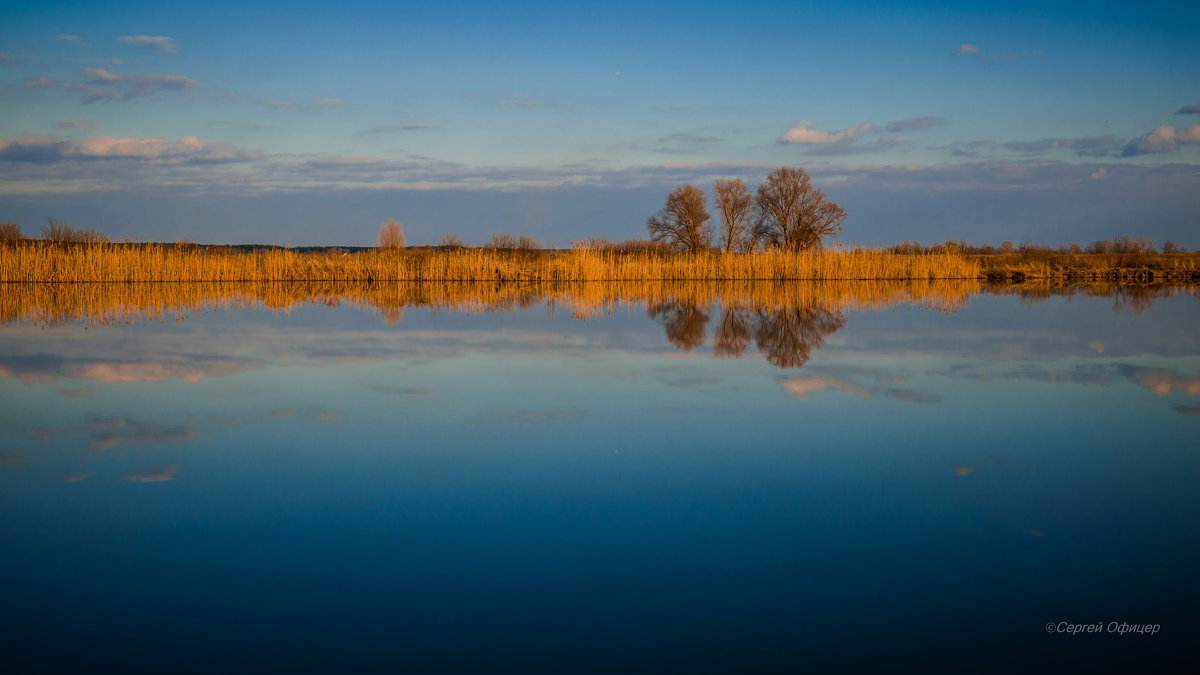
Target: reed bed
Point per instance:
(1137, 267)
(37, 261)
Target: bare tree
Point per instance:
(391, 235)
(792, 214)
(683, 223)
(527, 243)
(734, 204)
(12, 232)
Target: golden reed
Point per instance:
(36, 261)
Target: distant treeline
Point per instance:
(1122, 245)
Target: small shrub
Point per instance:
(10, 232)
(502, 240)
(60, 232)
(451, 240)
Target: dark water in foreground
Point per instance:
(323, 490)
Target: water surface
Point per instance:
(841, 476)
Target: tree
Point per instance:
(683, 223)
(792, 214)
(391, 235)
(10, 232)
(734, 203)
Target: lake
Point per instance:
(640, 477)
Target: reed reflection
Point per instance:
(787, 321)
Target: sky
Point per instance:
(311, 123)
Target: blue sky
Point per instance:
(312, 122)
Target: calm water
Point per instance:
(684, 484)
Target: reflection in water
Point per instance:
(519, 464)
(158, 474)
(684, 323)
(1136, 299)
(787, 336)
(734, 330)
(131, 304)
(786, 321)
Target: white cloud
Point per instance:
(1164, 139)
(135, 84)
(8, 59)
(804, 133)
(538, 100)
(1099, 174)
(319, 100)
(915, 124)
(76, 124)
(966, 49)
(48, 149)
(39, 83)
(278, 105)
(112, 62)
(72, 38)
(158, 43)
(689, 138)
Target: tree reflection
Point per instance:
(787, 336)
(734, 330)
(684, 322)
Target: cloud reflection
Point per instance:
(109, 432)
(803, 387)
(1165, 382)
(911, 396)
(158, 474)
(531, 418)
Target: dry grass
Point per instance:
(35, 261)
(41, 261)
(1136, 267)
